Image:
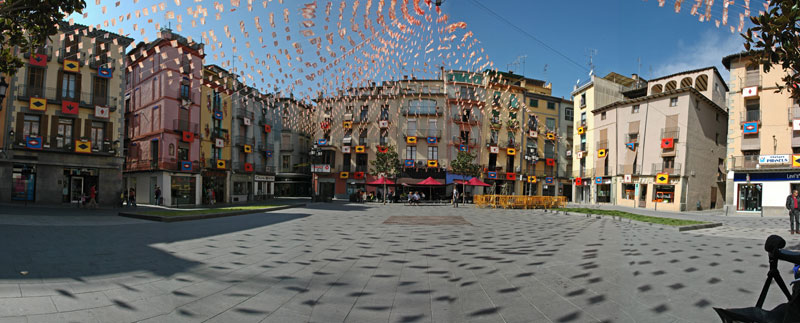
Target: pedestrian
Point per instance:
(455, 197)
(213, 197)
(132, 197)
(793, 205)
(158, 195)
(93, 197)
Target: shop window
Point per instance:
(183, 190)
(664, 194)
(23, 183)
(604, 193)
(239, 188)
(628, 191)
(749, 197)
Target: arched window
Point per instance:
(686, 82)
(671, 85)
(655, 89)
(701, 82)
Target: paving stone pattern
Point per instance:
(336, 263)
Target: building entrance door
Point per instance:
(76, 189)
(643, 195)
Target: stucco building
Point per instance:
(217, 139)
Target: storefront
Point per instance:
(23, 182)
(764, 191)
(182, 190)
(603, 189)
(214, 180)
(78, 182)
(242, 185)
(749, 198)
(664, 193)
(264, 186)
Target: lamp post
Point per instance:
(315, 154)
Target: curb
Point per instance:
(699, 226)
(680, 228)
(160, 218)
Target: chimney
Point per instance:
(405, 77)
(635, 77)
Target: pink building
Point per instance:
(162, 113)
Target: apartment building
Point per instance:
(63, 120)
(664, 148)
(466, 101)
(162, 110)
(763, 138)
(217, 140)
(293, 176)
(254, 117)
(598, 92)
(564, 146)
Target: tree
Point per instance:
(27, 24)
(387, 164)
(775, 39)
(464, 165)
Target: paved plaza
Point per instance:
(374, 263)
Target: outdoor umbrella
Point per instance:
(430, 182)
(382, 181)
(474, 182)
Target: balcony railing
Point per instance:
(632, 169)
(239, 166)
(423, 133)
(752, 80)
(794, 113)
(602, 144)
(361, 119)
(212, 163)
(675, 169)
(244, 113)
(511, 144)
(51, 143)
(750, 115)
(491, 142)
(750, 162)
(184, 125)
(470, 119)
(421, 111)
(219, 133)
(670, 132)
(55, 95)
(362, 168)
(243, 140)
(470, 142)
(629, 139)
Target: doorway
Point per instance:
(643, 195)
(151, 197)
(76, 189)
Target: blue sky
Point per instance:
(619, 32)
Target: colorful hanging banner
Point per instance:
(37, 104)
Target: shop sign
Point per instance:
(774, 159)
(627, 178)
(320, 168)
(264, 178)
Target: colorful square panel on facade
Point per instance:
(38, 104)
(248, 167)
(219, 143)
(346, 149)
(187, 136)
(494, 149)
(531, 179)
(325, 125)
(750, 91)
(795, 160)
(322, 142)
(550, 162)
(69, 107)
(33, 142)
(347, 124)
(269, 153)
(511, 151)
(248, 149)
(581, 130)
(71, 66)
(221, 164)
(83, 146)
(344, 174)
(383, 124)
(104, 72)
(186, 166)
(667, 143)
(408, 163)
(101, 112)
(601, 153)
(548, 180)
(511, 176)
(38, 60)
(462, 147)
(579, 155)
(750, 128)
(411, 140)
(662, 178)
(598, 180)
(631, 146)
(491, 175)
(218, 115)
(551, 136)
(267, 128)
(383, 149)
(433, 163)
(431, 140)
(533, 133)
(360, 149)
(358, 175)
(247, 121)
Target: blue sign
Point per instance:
(33, 142)
(408, 163)
(631, 146)
(322, 142)
(431, 140)
(104, 72)
(493, 175)
(598, 180)
(218, 115)
(750, 128)
(548, 180)
(462, 147)
(186, 166)
(269, 153)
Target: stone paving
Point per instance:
(342, 262)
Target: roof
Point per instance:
(619, 79)
(716, 71)
(660, 95)
(726, 61)
(96, 33)
(169, 37)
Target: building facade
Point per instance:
(664, 149)
(566, 118)
(217, 140)
(763, 138)
(162, 111)
(293, 176)
(63, 120)
(254, 117)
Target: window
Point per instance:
(549, 149)
(628, 191)
(68, 86)
(421, 107)
(100, 91)
(551, 124)
(635, 108)
(185, 91)
(603, 115)
(583, 117)
(364, 111)
(673, 102)
(383, 135)
(411, 152)
(183, 151)
(71, 46)
(64, 133)
(569, 114)
(633, 137)
(534, 103)
(717, 117)
(513, 102)
(716, 138)
(286, 163)
(97, 135)
(362, 163)
(411, 127)
(583, 100)
(385, 112)
(433, 152)
(551, 105)
(30, 126)
(753, 110)
(496, 98)
(494, 138)
(35, 81)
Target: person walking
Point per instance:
(132, 197)
(455, 197)
(158, 195)
(793, 205)
(93, 197)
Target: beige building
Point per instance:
(762, 147)
(663, 148)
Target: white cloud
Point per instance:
(707, 51)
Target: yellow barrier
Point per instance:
(520, 201)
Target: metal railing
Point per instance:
(361, 119)
(491, 142)
(471, 142)
(794, 112)
(752, 80)
(184, 125)
(602, 144)
(362, 168)
(670, 132)
(239, 166)
(467, 119)
(511, 144)
(51, 143)
(421, 111)
(750, 162)
(675, 169)
(750, 115)
(244, 113)
(56, 95)
(243, 140)
(632, 169)
(212, 163)
(219, 133)
(628, 139)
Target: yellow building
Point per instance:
(63, 116)
(505, 109)
(216, 139)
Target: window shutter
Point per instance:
(53, 129)
(108, 131)
(76, 130)
(60, 80)
(43, 125)
(87, 129)
(78, 88)
(20, 125)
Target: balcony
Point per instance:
(670, 132)
(244, 113)
(243, 140)
(512, 125)
(267, 147)
(470, 142)
(750, 162)
(421, 111)
(239, 167)
(219, 133)
(794, 113)
(752, 80)
(495, 124)
(184, 125)
(54, 96)
(212, 163)
(361, 119)
(58, 144)
(492, 142)
(632, 169)
(750, 116)
(601, 144)
(469, 119)
(631, 137)
(363, 141)
(511, 144)
(348, 117)
(673, 170)
(362, 168)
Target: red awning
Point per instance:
(381, 181)
(476, 182)
(429, 182)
